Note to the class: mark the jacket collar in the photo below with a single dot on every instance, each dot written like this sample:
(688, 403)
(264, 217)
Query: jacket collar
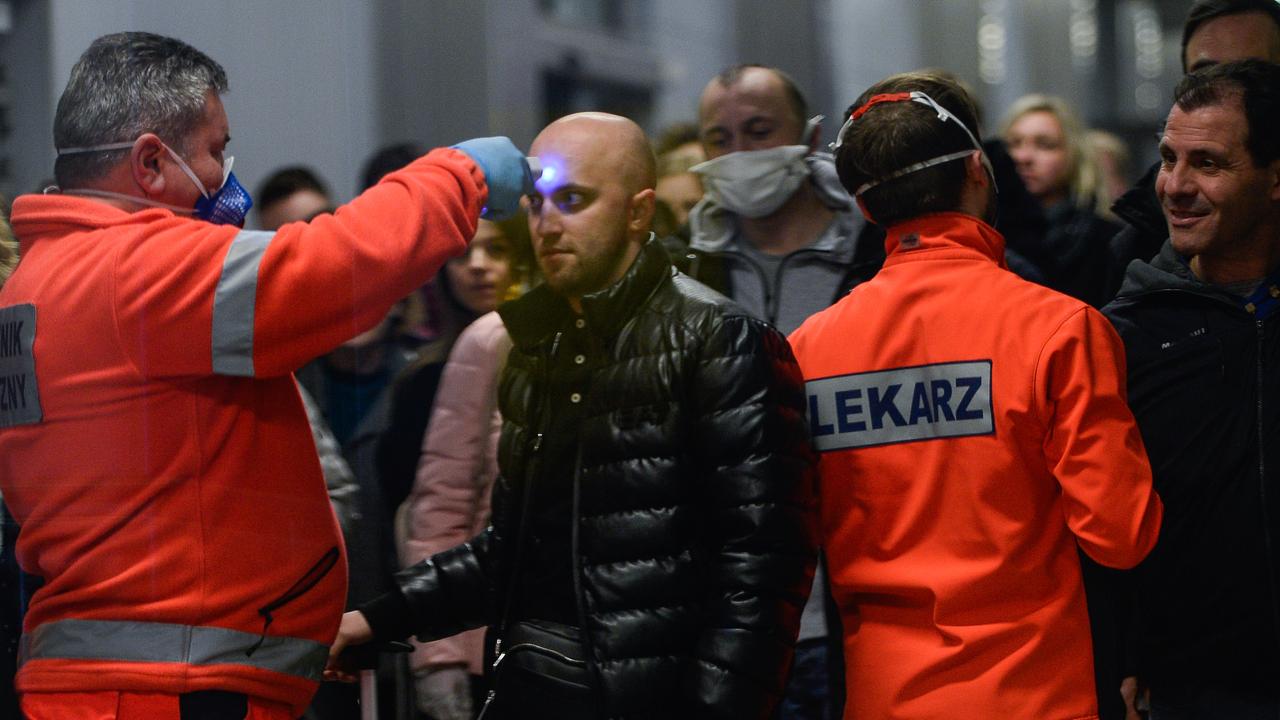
(36, 216)
(949, 231)
(538, 314)
(1140, 207)
(1169, 270)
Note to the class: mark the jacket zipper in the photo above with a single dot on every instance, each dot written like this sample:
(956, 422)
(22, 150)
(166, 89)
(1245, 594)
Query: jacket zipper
(1268, 541)
(309, 579)
(576, 559)
(526, 496)
(540, 650)
(772, 296)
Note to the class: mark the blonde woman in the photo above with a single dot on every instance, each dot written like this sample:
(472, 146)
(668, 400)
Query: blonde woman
(1047, 143)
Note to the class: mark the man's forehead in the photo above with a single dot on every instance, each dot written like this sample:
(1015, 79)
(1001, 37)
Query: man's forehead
(757, 89)
(1227, 38)
(215, 117)
(1221, 124)
(571, 159)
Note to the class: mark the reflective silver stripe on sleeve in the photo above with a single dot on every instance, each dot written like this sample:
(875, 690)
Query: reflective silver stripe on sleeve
(129, 641)
(233, 304)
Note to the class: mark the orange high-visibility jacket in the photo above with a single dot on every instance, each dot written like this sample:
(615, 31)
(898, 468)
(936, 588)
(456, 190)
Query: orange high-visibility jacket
(973, 431)
(158, 456)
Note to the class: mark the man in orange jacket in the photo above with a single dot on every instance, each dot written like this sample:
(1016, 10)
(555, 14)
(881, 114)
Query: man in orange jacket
(973, 433)
(152, 442)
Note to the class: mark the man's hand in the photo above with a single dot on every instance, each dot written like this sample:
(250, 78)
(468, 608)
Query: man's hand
(444, 693)
(506, 172)
(1137, 699)
(354, 630)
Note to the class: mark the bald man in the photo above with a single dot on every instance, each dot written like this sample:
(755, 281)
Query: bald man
(652, 538)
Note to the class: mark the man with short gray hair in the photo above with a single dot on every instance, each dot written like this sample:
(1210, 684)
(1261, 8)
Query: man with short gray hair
(152, 442)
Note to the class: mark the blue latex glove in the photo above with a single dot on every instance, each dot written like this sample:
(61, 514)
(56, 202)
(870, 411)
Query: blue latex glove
(505, 170)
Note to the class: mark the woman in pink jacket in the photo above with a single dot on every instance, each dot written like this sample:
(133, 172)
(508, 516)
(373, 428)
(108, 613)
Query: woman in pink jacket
(449, 502)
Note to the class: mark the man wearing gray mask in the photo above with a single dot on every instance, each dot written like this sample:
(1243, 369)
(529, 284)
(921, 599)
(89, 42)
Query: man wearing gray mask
(777, 233)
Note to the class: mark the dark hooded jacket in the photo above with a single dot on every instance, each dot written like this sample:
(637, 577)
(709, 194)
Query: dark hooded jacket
(694, 536)
(1204, 384)
(1144, 231)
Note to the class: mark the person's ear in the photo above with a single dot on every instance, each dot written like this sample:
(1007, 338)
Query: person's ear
(640, 211)
(1274, 176)
(975, 170)
(862, 205)
(146, 164)
(813, 132)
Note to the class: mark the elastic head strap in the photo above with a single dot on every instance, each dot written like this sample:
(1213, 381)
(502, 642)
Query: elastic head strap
(913, 96)
(943, 115)
(875, 100)
(912, 168)
(94, 148)
(182, 164)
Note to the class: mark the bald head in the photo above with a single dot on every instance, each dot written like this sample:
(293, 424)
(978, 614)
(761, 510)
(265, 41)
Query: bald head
(602, 141)
(591, 211)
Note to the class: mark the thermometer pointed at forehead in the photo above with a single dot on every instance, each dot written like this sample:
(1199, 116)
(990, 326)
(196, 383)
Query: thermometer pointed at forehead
(535, 168)
(549, 173)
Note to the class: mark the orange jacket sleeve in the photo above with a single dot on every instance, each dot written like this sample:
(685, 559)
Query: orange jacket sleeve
(266, 303)
(1092, 445)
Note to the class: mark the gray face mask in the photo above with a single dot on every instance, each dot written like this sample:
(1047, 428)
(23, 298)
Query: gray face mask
(754, 183)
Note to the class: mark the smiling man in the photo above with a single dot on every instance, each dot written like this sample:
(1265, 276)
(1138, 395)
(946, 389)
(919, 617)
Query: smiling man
(1202, 334)
(1216, 31)
(652, 537)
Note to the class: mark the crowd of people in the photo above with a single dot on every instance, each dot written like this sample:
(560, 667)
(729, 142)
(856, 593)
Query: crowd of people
(719, 424)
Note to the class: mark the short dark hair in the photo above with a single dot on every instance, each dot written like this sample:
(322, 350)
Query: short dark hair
(730, 75)
(388, 160)
(286, 181)
(1205, 10)
(1256, 83)
(124, 85)
(675, 135)
(894, 135)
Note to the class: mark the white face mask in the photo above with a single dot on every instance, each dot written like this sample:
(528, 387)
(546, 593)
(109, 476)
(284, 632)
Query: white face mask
(754, 183)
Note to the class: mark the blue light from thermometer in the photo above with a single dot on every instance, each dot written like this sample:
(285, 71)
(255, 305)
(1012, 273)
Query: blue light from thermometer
(545, 180)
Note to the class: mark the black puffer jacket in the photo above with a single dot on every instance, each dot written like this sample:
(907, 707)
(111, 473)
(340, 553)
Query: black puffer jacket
(695, 526)
(1204, 385)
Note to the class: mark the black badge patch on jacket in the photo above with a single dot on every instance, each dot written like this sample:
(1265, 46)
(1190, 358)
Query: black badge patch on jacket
(19, 396)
